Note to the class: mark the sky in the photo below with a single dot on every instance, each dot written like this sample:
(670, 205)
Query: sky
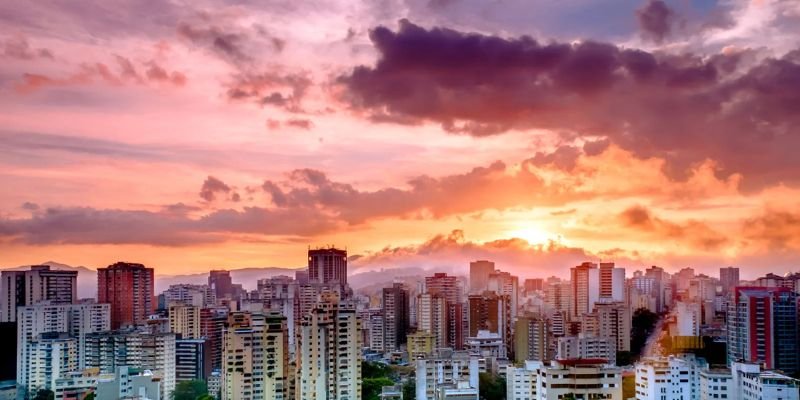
(190, 135)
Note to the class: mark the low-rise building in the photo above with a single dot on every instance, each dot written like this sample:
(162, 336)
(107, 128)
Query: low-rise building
(580, 378)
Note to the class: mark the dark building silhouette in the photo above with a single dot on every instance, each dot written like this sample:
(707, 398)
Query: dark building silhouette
(395, 316)
(220, 282)
(327, 265)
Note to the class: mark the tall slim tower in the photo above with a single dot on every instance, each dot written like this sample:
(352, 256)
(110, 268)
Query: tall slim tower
(40, 283)
(326, 265)
(479, 275)
(728, 279)
(582, 288)
(395, 316)
(763, 328)
(446, 286)
(329, 353)
(219, 280)
(128, 288)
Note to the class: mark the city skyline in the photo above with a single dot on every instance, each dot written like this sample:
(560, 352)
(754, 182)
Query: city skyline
(419, 133)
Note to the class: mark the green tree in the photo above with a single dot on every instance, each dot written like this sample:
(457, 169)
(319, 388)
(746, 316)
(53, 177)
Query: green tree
(375, 370)
(642, 325)
(189, 390)
(89, 396)
(491, 387)
(44, 394)
(371, 387)
(624, 358)
(206, 397)
(410, 390)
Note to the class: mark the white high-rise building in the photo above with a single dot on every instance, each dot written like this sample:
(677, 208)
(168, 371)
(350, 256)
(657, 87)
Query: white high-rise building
(329, 352)
(587, 347)
(145, 351)
(506, 284)
(76, 320)
(256, 359)
(194, 295)
(582, 379)
(49, 357)
(688, 317)
(40, 283)
(675, 377)
(432, 316)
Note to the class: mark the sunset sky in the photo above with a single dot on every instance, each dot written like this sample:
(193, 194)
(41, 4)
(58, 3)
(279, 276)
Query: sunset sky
(189, 135)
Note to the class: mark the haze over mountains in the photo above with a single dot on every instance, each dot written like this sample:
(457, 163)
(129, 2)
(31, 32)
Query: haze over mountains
(247, 277)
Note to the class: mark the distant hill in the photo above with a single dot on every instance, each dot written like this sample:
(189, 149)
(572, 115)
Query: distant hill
(247, 277)
(87, 278)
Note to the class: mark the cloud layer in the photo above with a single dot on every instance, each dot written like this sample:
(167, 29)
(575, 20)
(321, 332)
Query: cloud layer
(731, 107)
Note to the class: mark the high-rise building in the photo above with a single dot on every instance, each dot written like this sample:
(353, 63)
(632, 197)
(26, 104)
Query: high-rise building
(445, 285)
(256, 358)
(192, 359)
(326, 265)
(491, 312)
(479, 272)
(583, 286)
(534, 284)
(212, 323)
(448, 287)
(220, 282)
(184, 321)
(432, 317)
(40, 283)
(763, 328)
(155, 352)
(658, 289)
(128, 288)
(611, 283)
(506, 284)
(614, 322)
(688, 317)
(329, 352)
(531, 339)
(395, 316)
(193, 295)
(76, 320)
(586, 347)
(728, 279)
(49, 356)
(557, 297)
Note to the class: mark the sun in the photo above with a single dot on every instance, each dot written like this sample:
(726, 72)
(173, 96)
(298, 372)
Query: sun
(531, 234)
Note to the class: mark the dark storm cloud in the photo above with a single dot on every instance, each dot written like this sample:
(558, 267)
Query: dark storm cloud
(729, 107)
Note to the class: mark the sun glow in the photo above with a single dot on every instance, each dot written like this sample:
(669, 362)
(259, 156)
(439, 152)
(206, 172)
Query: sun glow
(532, 234)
